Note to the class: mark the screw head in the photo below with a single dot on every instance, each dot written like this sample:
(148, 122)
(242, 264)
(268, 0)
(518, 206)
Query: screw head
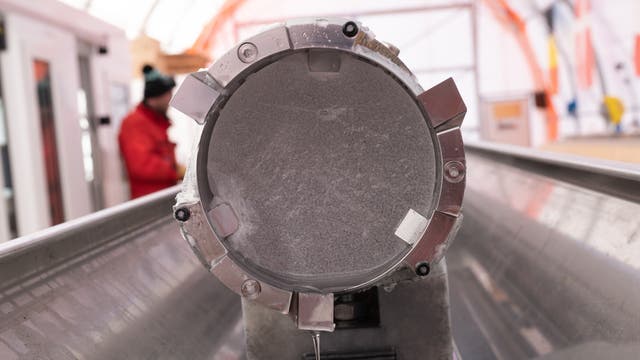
(182, 214)
(247, 52)
(350, 29)
(423, 268)
(454, 171)
(250, 289)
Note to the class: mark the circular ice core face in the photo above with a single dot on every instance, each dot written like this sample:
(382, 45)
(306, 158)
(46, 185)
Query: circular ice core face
(321, 155)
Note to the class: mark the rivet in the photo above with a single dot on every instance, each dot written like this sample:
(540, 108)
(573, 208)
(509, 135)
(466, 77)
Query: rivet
(423, 268)
(250, 289)
(182, 214)
(247, 52)
(454, 171)
(350, 29)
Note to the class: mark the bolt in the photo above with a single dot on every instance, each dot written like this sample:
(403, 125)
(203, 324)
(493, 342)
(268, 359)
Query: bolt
(350, 29)
(182, 214)
(423, 268)
(247, 52)
(250, 289)
(454, 171)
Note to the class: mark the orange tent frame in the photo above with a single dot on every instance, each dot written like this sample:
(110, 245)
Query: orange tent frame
(510, 18)
(500, 8)
(205, 41)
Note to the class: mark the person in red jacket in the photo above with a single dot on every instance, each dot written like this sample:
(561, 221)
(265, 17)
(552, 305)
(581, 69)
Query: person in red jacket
(148, 154)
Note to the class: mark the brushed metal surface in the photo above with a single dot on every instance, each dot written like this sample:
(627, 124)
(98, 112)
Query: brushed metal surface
(121, 284)
(543, 268)
(414, 321)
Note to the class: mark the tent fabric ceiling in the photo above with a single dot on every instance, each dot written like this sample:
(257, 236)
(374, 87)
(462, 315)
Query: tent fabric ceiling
(177, 23)
(421, 29)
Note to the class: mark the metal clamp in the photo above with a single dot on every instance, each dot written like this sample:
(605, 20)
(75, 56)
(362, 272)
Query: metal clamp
(200, 97)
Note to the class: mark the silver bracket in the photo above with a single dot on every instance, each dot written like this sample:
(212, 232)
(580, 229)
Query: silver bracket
(315, 312)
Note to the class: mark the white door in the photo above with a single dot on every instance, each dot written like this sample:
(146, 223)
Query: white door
(41, 83)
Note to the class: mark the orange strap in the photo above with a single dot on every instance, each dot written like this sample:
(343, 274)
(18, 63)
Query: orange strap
(637, 55)
(510, 18)
(205, 41)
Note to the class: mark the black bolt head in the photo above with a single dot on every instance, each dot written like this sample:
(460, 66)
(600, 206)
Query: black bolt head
(182, 214)
(350, 29)
(423, 268)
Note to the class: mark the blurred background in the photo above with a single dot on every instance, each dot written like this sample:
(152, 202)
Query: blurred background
(560, 75)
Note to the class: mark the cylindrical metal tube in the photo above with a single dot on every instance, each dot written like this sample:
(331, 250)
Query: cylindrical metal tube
(322, 167)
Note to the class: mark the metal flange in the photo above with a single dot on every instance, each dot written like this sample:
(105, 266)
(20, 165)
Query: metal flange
(204, 93)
